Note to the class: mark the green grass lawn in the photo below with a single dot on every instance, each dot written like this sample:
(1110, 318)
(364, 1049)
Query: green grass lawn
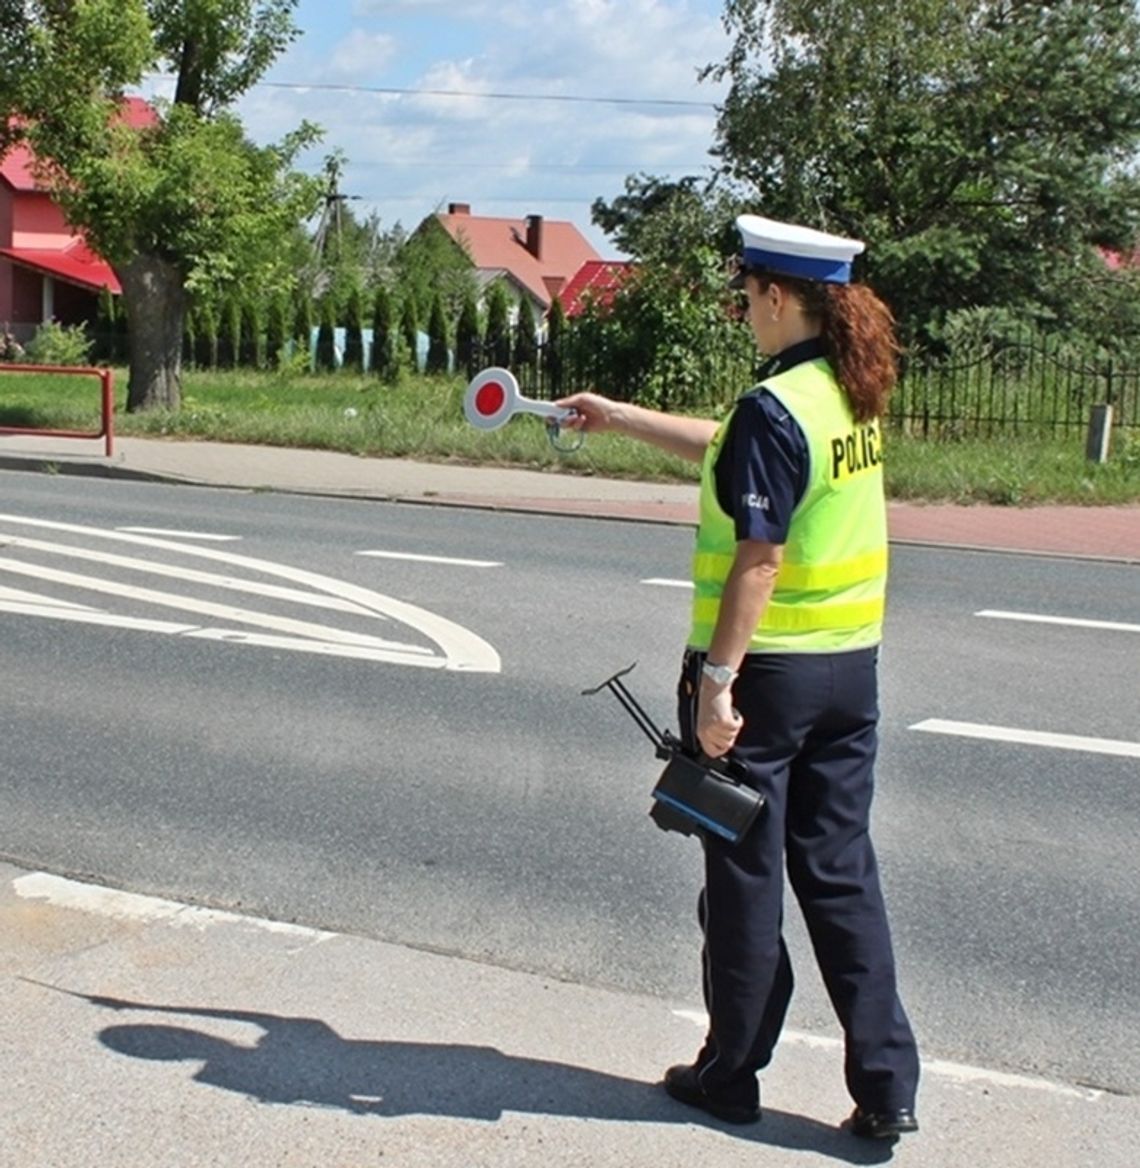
(423, 418)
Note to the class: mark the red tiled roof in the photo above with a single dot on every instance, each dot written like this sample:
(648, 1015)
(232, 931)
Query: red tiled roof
(595, 280)
(77, 264)
(502, 243)
(16, 165)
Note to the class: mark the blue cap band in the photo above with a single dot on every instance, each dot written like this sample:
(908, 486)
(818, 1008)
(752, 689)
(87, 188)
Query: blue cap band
(807, 268)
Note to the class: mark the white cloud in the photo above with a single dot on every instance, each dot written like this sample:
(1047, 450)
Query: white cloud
(361, 55)
(407, 154)
(460, 9)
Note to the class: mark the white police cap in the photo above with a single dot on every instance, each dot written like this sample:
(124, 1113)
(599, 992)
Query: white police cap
(787, 249)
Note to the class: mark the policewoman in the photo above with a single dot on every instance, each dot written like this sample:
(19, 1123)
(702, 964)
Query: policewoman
(780, 674)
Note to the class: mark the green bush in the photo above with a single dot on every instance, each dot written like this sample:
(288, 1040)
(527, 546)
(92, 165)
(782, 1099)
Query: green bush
(354, 331)
(383, 363)
(437, 356)
(58, 344)
(498, 339)
(326, 337)
(468, 342)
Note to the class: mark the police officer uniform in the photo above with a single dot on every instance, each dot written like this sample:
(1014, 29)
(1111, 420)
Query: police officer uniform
(791, 466)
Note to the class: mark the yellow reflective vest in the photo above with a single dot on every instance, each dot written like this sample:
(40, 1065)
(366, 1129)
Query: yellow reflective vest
(831, 585)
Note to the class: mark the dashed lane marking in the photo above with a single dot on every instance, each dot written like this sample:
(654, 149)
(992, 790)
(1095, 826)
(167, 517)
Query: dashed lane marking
(206, 536)
(1072, 621)
(422, 559)
(1111, 746)
(664, 582)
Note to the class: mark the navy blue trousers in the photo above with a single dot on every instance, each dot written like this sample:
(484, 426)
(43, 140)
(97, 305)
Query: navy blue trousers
(808, 743)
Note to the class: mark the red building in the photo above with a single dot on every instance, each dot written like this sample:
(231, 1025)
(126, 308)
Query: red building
(47, 271)
(595, 282)
(540, 258)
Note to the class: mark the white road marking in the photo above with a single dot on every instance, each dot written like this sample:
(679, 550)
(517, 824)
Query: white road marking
(460, 649)
(19, 596)
(245, 616)
(256, 587)
(203, 535)
(402, 655)
(433, 559)
(665, 582)
(1112, 746)
(129, 906)
(1074, 622)
(958, 1072)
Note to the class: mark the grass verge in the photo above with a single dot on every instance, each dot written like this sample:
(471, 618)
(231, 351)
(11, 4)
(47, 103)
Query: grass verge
(423, 418)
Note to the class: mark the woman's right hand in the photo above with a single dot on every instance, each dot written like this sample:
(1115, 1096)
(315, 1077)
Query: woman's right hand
(592, 412)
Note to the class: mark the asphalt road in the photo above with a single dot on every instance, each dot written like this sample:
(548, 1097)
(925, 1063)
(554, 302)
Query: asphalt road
(346, 779)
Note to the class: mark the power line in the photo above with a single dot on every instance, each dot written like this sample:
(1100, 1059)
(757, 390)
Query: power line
(401, 91)
(397, 91)
(562, 167)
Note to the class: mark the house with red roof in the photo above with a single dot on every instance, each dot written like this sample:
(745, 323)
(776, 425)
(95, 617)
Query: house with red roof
(47, 271)
(537, 257)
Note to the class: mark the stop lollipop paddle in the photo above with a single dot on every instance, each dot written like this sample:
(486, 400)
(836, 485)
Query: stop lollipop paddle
(493, 398)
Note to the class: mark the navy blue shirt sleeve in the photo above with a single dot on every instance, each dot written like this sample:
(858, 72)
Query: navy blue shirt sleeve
(762, 471)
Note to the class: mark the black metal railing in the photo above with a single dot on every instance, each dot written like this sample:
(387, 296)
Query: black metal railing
(1024, 386)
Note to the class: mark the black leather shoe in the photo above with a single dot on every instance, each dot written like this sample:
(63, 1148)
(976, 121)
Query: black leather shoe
(882, 1125)
(682, 1084)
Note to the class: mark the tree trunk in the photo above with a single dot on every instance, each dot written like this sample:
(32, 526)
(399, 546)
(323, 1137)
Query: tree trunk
(155, 301)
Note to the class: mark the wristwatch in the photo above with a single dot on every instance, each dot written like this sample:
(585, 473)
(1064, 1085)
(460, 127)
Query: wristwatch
(721, 674)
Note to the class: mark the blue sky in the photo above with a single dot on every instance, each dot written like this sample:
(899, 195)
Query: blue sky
(408, 155)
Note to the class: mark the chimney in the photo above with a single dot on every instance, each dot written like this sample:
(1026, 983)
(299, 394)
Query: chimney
(459, 208)
(534, 235)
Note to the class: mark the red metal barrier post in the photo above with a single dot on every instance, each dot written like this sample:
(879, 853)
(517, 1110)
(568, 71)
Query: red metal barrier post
(107, 384)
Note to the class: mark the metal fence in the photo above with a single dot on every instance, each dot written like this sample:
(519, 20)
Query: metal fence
(1018, 387)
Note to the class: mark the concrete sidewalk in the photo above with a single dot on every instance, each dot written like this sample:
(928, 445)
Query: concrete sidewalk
(138, 1033)
(1099, 532)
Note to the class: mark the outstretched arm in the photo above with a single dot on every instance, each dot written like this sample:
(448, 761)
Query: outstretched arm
(683, 436)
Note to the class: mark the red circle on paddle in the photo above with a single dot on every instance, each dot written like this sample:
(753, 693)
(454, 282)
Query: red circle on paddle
(489, 399)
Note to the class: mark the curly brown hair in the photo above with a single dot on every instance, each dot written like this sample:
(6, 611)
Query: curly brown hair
(858, 330)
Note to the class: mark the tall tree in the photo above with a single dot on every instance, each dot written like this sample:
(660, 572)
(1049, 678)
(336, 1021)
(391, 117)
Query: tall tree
(982, 148)
(410, 329)
(354, 330)
(646, 195)
(437, 354)
(526, 335)
(276, 330)
(468, 342)
(553, 352)
(326, 337)
(430, 261)
(383, 363)
(302, 322)
(498, 336)
(182, 206)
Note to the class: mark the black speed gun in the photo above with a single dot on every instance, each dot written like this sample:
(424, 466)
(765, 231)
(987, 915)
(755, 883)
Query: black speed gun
(694, 793)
